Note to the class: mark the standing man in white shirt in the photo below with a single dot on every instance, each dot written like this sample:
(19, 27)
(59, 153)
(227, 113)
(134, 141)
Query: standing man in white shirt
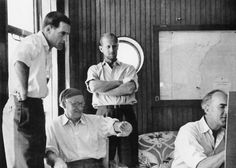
(201, 144)
(113, 84)
(23, 115)
(78, 140)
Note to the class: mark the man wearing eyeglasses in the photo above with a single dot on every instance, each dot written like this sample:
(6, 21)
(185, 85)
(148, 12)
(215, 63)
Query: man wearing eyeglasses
(78, 140)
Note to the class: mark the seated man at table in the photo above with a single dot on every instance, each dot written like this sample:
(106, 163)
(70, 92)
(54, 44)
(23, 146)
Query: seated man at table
(76, 139)
(201, 144)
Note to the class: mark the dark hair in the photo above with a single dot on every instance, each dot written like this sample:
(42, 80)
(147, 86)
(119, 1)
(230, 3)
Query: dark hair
(110, 35)
(54, 18)
(67, 93)
(208, 97)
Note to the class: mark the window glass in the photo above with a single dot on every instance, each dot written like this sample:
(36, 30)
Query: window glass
(13, 41)
(20, 14)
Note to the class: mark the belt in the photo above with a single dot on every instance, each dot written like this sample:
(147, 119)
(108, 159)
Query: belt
(30, 99)
(116, 106)
(80, 163)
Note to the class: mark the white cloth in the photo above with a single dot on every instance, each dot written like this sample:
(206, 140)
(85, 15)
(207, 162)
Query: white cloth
(86, 139)
(120, 71)
(194, 143)
(35, 53)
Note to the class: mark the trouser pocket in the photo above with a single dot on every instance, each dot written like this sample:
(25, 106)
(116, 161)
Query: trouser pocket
(24, 117)
(21, 116)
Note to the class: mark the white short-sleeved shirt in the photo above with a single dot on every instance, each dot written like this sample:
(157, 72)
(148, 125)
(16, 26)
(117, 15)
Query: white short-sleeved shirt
(194, 143)
(120, 71)
(86, 139)
(35, 53)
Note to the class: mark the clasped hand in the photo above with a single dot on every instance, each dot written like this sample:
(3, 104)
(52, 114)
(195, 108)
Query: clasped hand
(125, 128)
(59, 163)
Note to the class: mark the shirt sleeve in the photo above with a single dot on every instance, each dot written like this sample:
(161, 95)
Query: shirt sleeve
(132, 74)
(51, 144)
(188, 147)
(27, 51)
(91, 75)
(106, 126)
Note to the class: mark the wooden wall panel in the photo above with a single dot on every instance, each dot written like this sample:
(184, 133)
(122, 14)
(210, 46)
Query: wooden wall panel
(188, 12)
(170, 115)
(198, 12)
(193, 11)
(118, 18)
(136, 18)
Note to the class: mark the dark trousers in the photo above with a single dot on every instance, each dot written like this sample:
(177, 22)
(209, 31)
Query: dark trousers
(127, 146)
(24, 133)
(86, 163)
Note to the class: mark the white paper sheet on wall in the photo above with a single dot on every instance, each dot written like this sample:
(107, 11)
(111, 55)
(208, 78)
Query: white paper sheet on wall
(192, 61)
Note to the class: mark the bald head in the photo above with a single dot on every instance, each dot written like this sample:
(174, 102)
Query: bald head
(109, 36)
(214, 105)
(109, 47)
(208, 97)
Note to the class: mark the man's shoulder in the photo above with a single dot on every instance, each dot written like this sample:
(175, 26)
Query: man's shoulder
(125, 64)
(56, 122)
(34, 38)
(190, 127)
(127, 67)
(95, 119)
(92, 116)
(191, 124)
(32, 41)
(96, 66)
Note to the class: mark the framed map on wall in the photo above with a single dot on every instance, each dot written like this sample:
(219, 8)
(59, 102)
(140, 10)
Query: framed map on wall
(193, 62)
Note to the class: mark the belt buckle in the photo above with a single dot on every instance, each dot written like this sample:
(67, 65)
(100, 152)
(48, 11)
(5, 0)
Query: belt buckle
(113, 106)
(117, 106)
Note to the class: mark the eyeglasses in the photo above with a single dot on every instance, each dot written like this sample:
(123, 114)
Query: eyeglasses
(76, 104)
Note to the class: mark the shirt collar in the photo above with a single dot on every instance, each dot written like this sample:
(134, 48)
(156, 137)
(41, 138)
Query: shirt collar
(115, 63)
(44, 40)
(203, 125)
(205, 128)
(65, 120)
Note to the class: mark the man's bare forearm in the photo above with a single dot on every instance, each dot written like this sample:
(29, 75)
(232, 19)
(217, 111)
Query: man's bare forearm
(123, 90)
(214, 161)
(103, 86)
(22, 72)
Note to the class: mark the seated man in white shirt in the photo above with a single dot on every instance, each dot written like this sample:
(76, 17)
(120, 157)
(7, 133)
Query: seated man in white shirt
(76, 139)
(201, 144)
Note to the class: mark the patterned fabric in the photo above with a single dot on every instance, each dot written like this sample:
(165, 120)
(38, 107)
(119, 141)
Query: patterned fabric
(156, 149)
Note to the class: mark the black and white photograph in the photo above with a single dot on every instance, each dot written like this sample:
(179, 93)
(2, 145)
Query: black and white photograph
(117, 83)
